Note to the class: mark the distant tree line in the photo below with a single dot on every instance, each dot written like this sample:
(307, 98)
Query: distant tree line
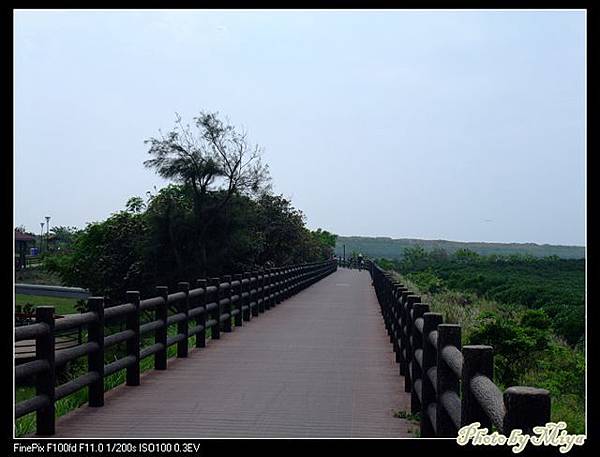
(388, 248)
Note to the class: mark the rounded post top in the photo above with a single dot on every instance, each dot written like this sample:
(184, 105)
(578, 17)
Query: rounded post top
(96, 304)
(431, 314)
(477, 347)
(44, 308)
(132, 295)
(447, 325)
(44, 312)
(526, 391)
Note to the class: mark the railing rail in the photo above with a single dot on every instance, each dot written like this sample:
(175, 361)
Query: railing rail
(219, 304)
(451, 386)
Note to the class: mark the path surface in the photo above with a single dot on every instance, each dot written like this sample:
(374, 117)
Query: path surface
(317, 365)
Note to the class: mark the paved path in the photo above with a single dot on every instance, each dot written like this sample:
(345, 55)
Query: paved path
(318, 365)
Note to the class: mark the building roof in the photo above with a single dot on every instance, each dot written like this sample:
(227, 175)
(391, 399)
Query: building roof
(20, 236)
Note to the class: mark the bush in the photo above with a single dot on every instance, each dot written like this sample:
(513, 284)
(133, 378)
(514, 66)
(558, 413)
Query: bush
(427, 281)
(516, 345)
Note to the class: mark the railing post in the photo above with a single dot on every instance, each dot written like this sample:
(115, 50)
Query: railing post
(305, 273)
(227, 323)
(260, 296)
(253, 285)
(279, 287)
(183, 327)
(133, 344)
(215, 331)
(245, 289)
(447, 381)
(397, 327)
(290, 286)
(391, 312)
(477, 359)
(428, 397)
(402, 330)
(96, 358)
(410, 301)
(387, 309)
(417, 344)
(284, 283)
(274, 287)
(45, 381)
(160, 335)
(297, 279)
(201, 319)
(526, 407)
(267, 288)
(239, 304)
(293, 280)
(302, 278)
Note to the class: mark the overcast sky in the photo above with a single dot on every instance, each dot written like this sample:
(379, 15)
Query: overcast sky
(454, 125)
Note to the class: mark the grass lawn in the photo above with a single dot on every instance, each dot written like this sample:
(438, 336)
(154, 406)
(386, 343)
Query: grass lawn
(38, 275)
(61, 305)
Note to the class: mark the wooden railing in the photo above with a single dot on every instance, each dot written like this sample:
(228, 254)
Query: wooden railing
(218, 304)
(451, 386)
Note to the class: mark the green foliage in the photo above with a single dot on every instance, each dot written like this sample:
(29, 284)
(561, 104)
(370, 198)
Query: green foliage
(63, 235)
(516, 344)
(530, 310)
(213, 164)
(105, 257)
(156, 243)
(427, 281)
(416, 417)
(555, 285)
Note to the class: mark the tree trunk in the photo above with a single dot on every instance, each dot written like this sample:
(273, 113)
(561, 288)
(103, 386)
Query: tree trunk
(203, 259)
(178, 259)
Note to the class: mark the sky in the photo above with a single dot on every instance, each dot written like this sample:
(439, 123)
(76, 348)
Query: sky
(457, 125)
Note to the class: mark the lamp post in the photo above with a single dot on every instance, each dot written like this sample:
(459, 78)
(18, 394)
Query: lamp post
(47, 231)
(41, 236)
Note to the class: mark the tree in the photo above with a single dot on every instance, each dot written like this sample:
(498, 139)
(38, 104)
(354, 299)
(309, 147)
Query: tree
(517, 345)
(106, 256)
(214, 157)
(64, 235)
(283, 231)
(413, 258)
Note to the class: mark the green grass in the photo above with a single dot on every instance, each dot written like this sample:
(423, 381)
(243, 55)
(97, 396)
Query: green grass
(38, 275)
(61, 305)
(415, 417)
